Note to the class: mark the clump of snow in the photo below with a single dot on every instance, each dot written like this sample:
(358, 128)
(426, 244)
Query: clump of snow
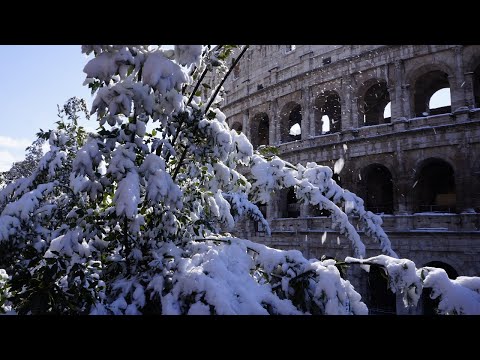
(127, 195)
(163, 74)
(295, 130)
(402, 274)
(460, 296)
(338, 166)
(188, 54)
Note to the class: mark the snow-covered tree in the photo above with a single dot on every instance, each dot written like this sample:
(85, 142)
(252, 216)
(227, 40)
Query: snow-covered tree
(135, 218)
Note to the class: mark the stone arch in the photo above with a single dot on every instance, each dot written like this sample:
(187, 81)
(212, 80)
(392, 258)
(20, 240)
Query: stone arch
(290, 115)
(430, 305)
(377, 188)
(260, 130)
(327, 113)
(373, 97)
(426, 81)
(434, 186)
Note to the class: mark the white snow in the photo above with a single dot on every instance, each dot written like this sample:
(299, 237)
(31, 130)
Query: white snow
(163, 74)
(295, 130)
(188, 54)
(127, 196)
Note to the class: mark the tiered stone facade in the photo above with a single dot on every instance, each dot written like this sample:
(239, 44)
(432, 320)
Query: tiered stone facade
(420, 167)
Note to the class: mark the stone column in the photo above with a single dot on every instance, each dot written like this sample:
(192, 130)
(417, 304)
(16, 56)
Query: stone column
(468, 88)
(304, 210)
(306, 111)
(396, 93)
(457, 92)
(402, 183)
(407, 101)
(312, 128)
(348, 103)
(274, 129)
(464, 178)
(246, 124)
(403, 195)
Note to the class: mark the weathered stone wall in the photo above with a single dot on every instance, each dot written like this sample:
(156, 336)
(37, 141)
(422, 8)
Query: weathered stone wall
(272, 81)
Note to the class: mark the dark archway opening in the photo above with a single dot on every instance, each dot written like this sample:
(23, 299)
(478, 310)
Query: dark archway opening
(427, 85)
(237, 127)
(382, 300)
(293, 206)
(260, 130)
(291, 123)
(430, 305)
(378, 187)
(374, 103)
(328, 113)
(435, 187)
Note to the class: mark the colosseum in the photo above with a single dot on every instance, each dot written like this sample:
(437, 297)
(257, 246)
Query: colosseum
(369, 112)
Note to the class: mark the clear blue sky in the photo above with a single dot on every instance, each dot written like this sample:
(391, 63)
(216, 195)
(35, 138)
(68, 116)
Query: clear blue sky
(34, 79)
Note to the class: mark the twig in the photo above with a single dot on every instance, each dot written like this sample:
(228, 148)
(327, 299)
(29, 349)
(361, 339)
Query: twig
(211, 101)
(217, 90)
(159, 149)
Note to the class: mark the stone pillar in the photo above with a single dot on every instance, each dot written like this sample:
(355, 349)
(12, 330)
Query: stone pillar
(457, 93)
(274, 129)
(348, 103)
(246, 124)
(271, 208)
(407, 101)
(304, 210)
(464, 179)
(306, 111)
(312, 128)
(396, 93)
(468, 88)
(403, 195)
(402, 183)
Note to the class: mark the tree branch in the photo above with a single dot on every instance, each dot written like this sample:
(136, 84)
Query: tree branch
(211, 101)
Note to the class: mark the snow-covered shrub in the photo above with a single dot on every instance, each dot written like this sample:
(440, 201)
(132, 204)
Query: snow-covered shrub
(134, 219)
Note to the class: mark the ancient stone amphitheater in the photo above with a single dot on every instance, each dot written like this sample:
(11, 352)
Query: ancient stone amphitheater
(401, 126)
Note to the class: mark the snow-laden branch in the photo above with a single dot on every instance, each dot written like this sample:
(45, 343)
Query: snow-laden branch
(457, 296)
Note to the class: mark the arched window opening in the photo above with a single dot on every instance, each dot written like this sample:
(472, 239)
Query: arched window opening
(291, 122)
(237, 127)
(288, 205)
(387, 113)
(260, 129)
(440, 102)
(425, 86)
(378, 187)
(325, 124)
(328, 113)
(293, 207)
(435, 187)
(382, 300)
(374, 102)
(430, 305)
